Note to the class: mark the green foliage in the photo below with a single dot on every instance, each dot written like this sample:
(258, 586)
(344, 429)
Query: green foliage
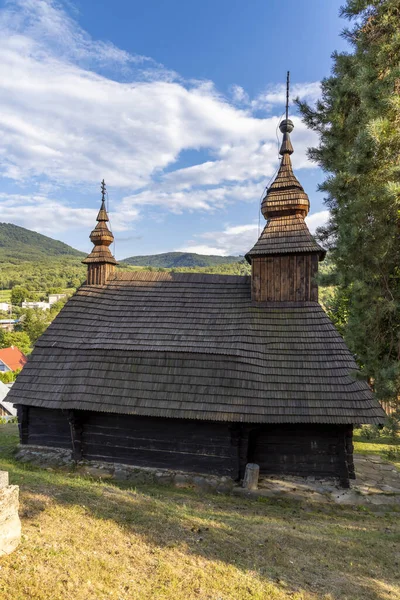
(4, 420)
(35, 321)
(358, 120)
(369, 432)
(20, 339)
(393, 453)
(171, 260)
(9, 376)
(237, 268)
(39, 278)
(18, 295)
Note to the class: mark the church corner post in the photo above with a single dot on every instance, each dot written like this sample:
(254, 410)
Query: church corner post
(100, 262)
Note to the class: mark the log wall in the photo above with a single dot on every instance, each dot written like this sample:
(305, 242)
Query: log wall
(44, 427)
(284, 278)
(197, 446)
(320, 450)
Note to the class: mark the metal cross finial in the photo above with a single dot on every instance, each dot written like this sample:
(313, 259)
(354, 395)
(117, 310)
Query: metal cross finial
(103, 190)
(287, 95)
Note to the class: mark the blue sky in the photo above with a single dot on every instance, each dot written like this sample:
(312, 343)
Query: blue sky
(176, 104)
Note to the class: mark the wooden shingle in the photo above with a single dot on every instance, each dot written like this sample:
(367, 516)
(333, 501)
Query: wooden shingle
(195, 346)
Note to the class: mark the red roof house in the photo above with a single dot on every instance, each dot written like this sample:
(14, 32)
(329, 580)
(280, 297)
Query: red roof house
(11, 359)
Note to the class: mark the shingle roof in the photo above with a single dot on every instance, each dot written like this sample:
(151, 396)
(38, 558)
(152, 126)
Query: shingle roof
(13, 358)
(285, 235)
(194, 346)
(284, 207)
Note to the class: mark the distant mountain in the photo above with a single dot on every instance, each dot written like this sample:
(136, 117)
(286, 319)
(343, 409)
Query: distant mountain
(20, 244)
(171, 260)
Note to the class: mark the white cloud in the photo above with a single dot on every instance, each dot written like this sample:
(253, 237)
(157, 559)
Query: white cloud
(178, 200)
(317, 219)
(276, 95)
(74, 110)
(233, 240)
(47, 216)
(239, 239)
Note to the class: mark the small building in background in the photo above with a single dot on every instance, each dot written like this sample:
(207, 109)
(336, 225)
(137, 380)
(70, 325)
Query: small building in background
(6, 408)
(53, 298)
(5, 307)
(36, 304)
(11, 359)
(8, 324)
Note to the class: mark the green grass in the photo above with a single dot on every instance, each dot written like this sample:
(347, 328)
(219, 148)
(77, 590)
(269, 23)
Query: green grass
(91, 540)
(387, 448)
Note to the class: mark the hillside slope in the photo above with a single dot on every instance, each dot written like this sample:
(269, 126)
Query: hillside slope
(20, 244)
(171, 260)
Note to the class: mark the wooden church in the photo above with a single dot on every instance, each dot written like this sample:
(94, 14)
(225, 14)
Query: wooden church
(202, 373)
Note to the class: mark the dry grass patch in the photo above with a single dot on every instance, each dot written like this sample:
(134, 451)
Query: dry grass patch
(87, 540)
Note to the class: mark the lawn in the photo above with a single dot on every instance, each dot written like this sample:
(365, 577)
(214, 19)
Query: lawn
(387, 448)
(91, 540)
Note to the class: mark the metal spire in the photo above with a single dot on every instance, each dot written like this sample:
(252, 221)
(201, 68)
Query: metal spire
(287, 94)
(286, 126)
(103, 190)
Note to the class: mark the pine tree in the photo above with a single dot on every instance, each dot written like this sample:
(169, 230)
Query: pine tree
(358, 120)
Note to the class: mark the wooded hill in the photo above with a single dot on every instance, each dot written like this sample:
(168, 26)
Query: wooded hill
(39, 263)
(172, 260)
(18, 243)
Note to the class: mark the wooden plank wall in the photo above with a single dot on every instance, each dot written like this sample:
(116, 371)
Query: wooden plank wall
(199, 446)
(180, 444)
(98, 274)
(47, 427)
(285, 278)
(320, 450)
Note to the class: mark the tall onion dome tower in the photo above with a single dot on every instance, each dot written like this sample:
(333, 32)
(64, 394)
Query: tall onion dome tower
(101, 263)
(285, 258)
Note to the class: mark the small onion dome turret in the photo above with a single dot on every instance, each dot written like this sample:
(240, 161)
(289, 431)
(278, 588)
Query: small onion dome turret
(101, 237)
(286, 195)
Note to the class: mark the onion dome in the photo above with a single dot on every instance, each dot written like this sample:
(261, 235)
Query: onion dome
(101, 236)
(285, 206)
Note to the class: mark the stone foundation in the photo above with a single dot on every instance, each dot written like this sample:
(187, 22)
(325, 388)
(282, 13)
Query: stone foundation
(10, 525)
(43, 456)
(377, 482)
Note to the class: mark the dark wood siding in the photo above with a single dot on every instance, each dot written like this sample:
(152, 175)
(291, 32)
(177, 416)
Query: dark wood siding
(300, 450)
(200, 446)
(47, 427)
(285, 278)
(188, 445)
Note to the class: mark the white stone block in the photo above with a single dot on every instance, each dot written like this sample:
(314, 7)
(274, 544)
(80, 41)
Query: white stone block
(10, 525)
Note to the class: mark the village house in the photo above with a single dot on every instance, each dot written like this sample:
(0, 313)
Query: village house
(42, 305)
(8, 324)
(202, 373)
(6, 408)
(11, 359)
(36, 304)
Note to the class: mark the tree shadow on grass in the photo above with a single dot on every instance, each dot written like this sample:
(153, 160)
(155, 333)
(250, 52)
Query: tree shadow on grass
(320, 549)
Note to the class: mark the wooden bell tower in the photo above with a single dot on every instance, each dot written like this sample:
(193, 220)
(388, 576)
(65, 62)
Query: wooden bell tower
(284, 261)
(101, 263)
